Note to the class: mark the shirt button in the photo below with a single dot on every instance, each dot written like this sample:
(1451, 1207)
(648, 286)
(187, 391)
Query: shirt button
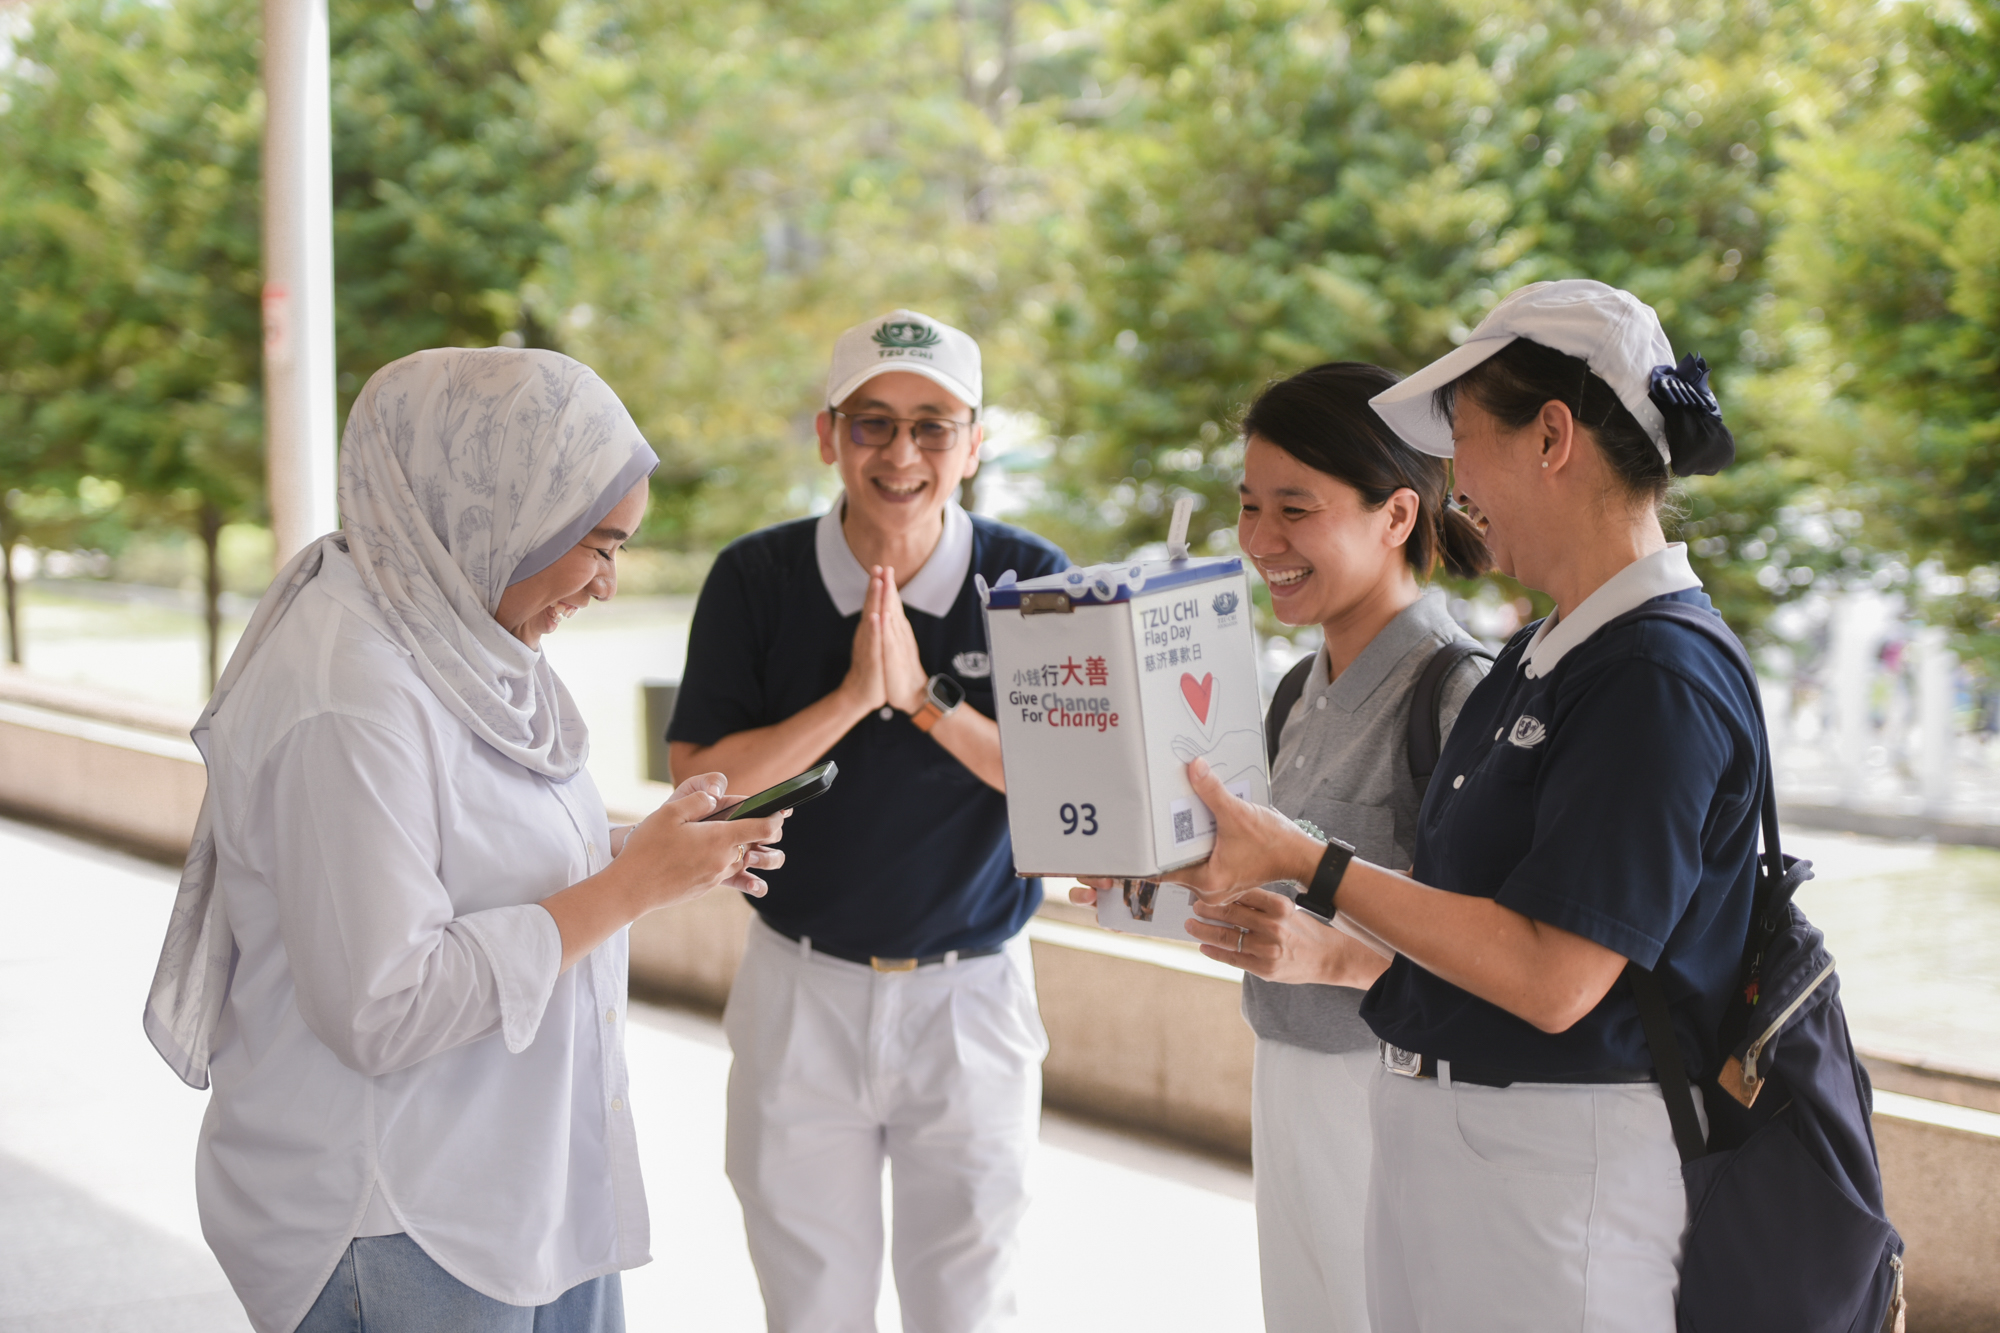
(1458, 782)
(1300, 762)
(1321, 703)
(611, 1015)
(886, 713)
(617, 1103)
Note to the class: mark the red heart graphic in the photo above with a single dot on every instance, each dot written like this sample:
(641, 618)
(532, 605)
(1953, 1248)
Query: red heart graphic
(1198, 693)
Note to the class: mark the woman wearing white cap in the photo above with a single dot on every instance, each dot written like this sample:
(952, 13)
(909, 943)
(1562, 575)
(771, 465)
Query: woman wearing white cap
(1595, 805)
(399, 943)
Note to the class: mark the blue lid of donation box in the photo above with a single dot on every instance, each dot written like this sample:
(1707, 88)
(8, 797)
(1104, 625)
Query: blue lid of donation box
(1120, 581)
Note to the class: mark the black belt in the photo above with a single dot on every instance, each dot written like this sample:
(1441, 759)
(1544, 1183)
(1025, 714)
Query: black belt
(1409, 1064)
(881, 964)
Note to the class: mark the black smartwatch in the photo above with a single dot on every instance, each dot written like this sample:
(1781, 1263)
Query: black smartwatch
(1318, 896)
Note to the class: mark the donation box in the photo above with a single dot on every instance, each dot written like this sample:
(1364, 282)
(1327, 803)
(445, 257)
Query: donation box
(1107, 681)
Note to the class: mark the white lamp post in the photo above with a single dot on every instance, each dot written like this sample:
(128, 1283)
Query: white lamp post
(298, 275)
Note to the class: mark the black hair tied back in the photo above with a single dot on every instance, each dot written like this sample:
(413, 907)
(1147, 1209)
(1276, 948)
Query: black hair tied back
(1696, 438)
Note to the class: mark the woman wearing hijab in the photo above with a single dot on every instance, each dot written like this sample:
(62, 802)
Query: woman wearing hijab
(399, 946)
(1596, 806)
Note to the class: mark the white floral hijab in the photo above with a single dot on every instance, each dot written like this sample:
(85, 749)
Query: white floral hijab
(461, 472)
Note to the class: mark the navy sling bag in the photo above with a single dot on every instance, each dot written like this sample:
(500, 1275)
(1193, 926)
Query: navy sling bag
(1786, 1227)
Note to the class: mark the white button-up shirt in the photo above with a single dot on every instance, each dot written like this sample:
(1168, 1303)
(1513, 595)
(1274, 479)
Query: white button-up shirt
(397, 1051)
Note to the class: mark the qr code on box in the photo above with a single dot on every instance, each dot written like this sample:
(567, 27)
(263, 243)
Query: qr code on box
(1193, 821)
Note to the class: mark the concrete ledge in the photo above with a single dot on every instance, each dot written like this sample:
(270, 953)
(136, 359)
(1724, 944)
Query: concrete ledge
(1941, 1180)
(1143, 1039)
(1881, 824)
(134, 787)
(1934, 1081)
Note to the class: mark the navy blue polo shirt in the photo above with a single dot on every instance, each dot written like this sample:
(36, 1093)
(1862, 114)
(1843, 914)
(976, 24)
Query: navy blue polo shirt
(1617, 797)
(908, 855)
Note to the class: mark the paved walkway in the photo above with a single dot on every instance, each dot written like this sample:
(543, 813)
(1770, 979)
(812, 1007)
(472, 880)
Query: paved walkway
(98, 1232)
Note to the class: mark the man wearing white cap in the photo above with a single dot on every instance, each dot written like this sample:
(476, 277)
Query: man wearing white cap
(885, 1007)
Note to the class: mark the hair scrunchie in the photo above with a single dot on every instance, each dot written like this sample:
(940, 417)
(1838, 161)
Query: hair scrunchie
(1697, 441)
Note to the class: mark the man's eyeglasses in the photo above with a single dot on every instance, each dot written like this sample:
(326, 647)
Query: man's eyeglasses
(872, 430)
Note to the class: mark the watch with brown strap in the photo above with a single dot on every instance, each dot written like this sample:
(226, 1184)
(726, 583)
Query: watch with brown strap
(941, 695)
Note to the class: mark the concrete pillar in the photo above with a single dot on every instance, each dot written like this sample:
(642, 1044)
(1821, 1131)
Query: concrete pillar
(1936, 673)
(1856, 619)
(298, 275)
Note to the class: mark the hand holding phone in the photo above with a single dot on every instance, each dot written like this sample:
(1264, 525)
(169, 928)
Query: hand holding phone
(787, 795)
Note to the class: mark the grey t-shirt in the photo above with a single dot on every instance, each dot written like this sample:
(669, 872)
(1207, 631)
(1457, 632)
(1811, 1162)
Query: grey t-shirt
(1343, 763)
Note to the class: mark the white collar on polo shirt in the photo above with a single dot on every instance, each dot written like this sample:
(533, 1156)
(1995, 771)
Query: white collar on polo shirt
(1660, 573)
(932, 591)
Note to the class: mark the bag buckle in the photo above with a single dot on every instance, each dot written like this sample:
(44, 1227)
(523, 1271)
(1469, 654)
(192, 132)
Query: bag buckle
(1396, 1060)
(893, 964)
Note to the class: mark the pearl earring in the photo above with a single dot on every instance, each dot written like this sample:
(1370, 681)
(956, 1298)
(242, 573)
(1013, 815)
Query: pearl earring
(1545, 462)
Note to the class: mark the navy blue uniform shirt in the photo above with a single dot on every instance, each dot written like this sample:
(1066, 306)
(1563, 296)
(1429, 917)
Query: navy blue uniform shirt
(908, 855)
(1616, 797)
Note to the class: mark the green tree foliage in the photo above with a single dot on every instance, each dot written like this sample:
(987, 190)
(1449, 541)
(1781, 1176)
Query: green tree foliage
(1144, 209)
(459, 130)
(131, 270)
(1889, 278)
(140, 134)
(1297, 181)
(775, 173)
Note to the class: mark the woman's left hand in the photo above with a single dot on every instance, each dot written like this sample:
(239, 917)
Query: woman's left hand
(1265, 935)
(1262, 933)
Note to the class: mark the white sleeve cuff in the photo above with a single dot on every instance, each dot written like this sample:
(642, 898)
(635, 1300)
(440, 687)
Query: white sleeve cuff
(524, 948)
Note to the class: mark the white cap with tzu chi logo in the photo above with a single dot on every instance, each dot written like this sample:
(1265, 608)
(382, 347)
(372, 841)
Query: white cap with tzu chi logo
(905, 340)
(1613, 332)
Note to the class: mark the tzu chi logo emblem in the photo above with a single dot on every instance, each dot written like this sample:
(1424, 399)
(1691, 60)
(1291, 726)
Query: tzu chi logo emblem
(1528, 732)
(1225, 609)
(904, 335)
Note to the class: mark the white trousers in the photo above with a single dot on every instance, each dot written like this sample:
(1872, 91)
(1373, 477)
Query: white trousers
(840, 1068)
(1542, 1208)
(1310, 1146)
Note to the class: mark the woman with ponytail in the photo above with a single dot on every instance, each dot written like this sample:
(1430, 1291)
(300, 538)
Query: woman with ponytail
(1344, 522)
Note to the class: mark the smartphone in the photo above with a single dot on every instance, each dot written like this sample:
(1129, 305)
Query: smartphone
(787, 795)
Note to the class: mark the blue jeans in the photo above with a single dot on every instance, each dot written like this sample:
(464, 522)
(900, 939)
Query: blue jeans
(387, 1284)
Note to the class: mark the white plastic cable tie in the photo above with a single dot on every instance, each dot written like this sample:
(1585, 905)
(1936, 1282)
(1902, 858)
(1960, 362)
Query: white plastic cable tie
(985, 593)
(1177, 547)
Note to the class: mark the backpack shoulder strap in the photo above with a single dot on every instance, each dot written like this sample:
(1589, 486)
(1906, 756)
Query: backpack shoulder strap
(1772, 879)
(1426, 728)
(1661, 1044)
(1283, 701)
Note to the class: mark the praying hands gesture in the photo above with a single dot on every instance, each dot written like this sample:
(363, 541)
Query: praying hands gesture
(886, 668)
